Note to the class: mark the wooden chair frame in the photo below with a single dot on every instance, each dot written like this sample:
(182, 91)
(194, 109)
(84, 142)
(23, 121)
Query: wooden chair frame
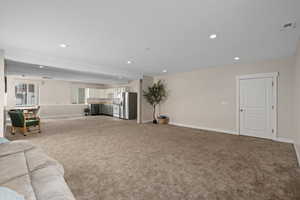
(25, 128)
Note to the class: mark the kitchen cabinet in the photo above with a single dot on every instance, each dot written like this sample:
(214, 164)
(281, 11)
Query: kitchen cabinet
(107, 93)
(95, 109)
(97, 93)
(94, 93)
(106, 109)
(110, 93)
(101, 93)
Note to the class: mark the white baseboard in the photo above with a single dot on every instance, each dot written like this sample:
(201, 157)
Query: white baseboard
(279, 139)
(286, 140)
(147, 121)
(297, 149)
(204, 128)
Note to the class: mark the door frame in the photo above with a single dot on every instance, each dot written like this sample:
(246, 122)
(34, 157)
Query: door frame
(274, 76)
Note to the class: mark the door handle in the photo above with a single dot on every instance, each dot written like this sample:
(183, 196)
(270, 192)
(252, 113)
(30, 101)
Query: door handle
(242, 110)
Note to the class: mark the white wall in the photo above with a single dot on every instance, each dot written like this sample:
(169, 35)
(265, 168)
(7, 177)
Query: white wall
(61, 110)
(54, 96)
(147, 109)
(2, 93)
(55, 92)
(296, 102)
(207, 97)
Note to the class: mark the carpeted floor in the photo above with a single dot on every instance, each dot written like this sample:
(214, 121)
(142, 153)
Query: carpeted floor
(106, 159)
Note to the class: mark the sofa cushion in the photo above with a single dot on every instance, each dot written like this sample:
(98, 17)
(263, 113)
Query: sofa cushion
(30, 172)
(8, 194)
(22, 185)
(15, 147)
(12, 166)
(50, 185)
(3, 140)
(32, 122)
(36, 159)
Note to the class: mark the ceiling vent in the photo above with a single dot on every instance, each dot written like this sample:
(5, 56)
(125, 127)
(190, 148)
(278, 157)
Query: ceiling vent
(46, 77)
(288, 26)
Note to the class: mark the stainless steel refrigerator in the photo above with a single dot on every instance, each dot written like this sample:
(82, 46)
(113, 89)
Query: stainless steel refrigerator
(128, 105)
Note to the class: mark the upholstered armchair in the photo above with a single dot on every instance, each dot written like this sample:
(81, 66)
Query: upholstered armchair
(19, 121)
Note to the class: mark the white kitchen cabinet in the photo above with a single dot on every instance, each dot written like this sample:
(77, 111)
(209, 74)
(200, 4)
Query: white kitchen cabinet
(110, 93)
(92, 93)
(107, 93)
(97, 93)
(101, 93)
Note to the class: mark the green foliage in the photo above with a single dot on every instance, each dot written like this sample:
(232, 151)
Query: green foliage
(156, 93)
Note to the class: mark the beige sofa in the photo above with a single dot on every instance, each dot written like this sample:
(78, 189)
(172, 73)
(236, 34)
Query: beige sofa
(26, 169)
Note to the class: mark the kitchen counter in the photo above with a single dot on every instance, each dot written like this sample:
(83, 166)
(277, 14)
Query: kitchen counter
(105, 108)
(102, 100)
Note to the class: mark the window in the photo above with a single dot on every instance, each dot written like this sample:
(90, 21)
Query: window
(78, 95)
(81, 95)
(26, 94)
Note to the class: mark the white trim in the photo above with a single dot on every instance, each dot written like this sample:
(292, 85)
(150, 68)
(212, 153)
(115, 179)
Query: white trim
(204, 128)
(42, 105)
(64, 104)
(8, 121)
(285, 140)
(61, 116)
(275, 93)
(274, 76)
(278, 139)
(36, 92)
(297, 153)
(260, 75)
(147, 121)
(237, 123)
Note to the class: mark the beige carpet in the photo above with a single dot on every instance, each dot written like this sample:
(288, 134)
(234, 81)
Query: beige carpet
(106, 159)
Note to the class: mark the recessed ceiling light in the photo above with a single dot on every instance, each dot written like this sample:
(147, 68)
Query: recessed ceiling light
(41, 66)
(213, 36)
(64, 45)
(236, 58)
(129, 62)
(165, 71)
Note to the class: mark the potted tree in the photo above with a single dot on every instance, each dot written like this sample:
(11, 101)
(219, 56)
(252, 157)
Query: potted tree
(155, 95)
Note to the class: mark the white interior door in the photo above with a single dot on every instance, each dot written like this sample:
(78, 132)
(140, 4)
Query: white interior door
(256, 104)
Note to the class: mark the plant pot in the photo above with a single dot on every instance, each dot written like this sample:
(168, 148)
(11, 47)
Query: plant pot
(163, 120)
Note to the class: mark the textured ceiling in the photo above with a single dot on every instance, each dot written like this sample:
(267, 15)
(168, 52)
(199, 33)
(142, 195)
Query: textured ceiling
(14, 68)
(154, 34)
